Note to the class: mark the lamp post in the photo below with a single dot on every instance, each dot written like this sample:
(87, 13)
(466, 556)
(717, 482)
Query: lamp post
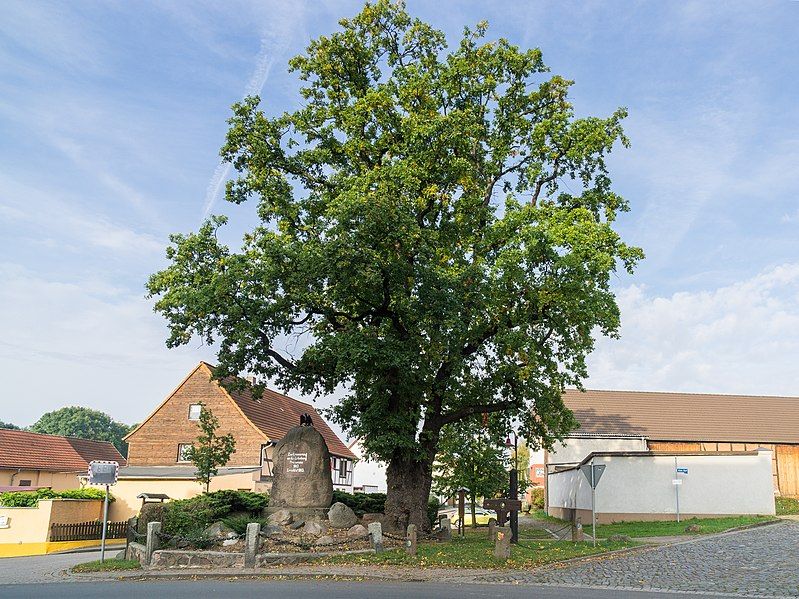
(514, 486)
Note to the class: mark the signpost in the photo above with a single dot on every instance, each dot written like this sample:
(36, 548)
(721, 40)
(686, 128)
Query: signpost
(505, 508)
(593, 472)
(677, 481)
(103, 473)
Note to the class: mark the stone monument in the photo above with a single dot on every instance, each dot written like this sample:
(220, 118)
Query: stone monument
(302, 481)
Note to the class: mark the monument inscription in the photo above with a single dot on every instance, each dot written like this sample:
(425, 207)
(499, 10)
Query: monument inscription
(295, 462)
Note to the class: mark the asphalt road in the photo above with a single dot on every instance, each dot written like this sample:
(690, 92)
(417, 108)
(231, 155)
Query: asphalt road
(303, 589)
(43, 568)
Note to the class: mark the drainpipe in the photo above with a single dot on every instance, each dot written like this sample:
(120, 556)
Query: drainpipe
(13, 475)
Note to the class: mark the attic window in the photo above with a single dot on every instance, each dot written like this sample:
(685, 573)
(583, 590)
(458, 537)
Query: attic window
(194, 411)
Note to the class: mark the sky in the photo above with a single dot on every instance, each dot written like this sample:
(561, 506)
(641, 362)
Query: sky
(112, 115)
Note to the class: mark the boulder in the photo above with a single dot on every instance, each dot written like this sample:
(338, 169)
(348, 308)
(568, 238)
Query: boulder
(314, 529)
(301, 471)
(341, 516)
(326, 540)
(297, 524)
(218, 530)
(358, 531)
(230, 542)
(368, 518)
(281, 518)
(272, 529)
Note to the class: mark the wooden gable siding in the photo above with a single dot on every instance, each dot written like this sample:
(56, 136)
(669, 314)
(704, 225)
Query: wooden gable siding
(784, 459)
(155, 442)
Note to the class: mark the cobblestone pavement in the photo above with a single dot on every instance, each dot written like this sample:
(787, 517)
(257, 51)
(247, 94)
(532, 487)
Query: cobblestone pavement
(761, 561)
(44, 568)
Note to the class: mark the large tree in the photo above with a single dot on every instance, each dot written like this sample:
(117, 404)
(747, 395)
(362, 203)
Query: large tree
(437, 237)
(83, 423)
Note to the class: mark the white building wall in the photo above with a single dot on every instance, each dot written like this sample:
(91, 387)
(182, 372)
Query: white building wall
(368, 473)
(575, 449)
(642, 485)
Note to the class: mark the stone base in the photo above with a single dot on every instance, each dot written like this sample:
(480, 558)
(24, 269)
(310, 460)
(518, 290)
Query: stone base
(309, 514)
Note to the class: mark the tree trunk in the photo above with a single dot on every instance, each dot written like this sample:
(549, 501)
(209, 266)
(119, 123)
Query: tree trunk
(409, 484)
(473, 499)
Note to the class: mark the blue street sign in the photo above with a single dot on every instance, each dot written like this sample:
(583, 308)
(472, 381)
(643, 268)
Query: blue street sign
(682, 470)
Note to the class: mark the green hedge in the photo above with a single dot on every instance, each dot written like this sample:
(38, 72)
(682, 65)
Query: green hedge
(375, 503)
(537, 498)
(31, 498)
(190, 517)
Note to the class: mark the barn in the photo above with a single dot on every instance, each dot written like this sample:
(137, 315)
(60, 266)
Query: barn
(685, 422)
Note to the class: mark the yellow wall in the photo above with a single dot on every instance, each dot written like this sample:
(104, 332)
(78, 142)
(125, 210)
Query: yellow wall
(127, 489)
(29, 527)
(59, 481)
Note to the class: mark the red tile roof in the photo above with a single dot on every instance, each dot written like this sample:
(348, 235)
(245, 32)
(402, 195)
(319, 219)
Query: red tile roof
(686, 416)
(274, 414)
(34, 451)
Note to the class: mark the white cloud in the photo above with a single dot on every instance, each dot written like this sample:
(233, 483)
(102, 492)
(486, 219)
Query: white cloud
(740, 338)
(82, 343)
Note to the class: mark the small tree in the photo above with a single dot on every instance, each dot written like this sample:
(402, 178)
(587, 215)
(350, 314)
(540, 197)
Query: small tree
(470, 457)
(210, 451)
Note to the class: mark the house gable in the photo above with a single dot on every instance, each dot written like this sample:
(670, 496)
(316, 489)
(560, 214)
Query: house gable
(155, 441)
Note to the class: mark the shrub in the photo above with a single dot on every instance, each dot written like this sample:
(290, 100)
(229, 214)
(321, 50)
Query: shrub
(239, 523)
(537, 498)
(432, 510)
(31, 498)
(190, 517)
(362, 503)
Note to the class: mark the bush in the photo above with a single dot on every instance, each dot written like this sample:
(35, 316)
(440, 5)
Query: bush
(31, 498)
(432, 510)
(537, 498)
(362, 503)
(190, 517)
(239, 523)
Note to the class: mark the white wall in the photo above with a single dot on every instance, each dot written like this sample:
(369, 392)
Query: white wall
(575, 449)
(367, 472)
(641, 485)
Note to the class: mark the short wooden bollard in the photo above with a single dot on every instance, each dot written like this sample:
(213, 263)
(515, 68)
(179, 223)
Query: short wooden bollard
(410, 540)
(502, 544)
(492, 529)
(251, 541)
(376, 534)
(153, 530)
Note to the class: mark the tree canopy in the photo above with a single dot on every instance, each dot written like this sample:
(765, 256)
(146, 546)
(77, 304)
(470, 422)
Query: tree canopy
(9, 425)
(84, 423)
(436, 237)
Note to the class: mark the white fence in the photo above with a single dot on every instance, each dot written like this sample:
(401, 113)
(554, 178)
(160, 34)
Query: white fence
(640, 486)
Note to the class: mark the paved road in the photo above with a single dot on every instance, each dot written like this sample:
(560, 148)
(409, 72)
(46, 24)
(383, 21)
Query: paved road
(43, 568)
(300, 589)
(760, 561)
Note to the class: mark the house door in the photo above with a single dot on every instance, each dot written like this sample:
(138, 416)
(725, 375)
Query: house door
(788, 469)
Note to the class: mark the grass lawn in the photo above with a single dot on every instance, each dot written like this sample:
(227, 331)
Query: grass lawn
(109, 565)
(667, 528)
(787, 506)
(475, 551)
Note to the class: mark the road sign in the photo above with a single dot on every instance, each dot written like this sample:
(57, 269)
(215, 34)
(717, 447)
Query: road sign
(598, 470)
(103, 473)
(682, 470)
(676, 481)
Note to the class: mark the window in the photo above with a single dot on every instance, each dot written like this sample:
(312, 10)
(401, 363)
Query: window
(25, 483)
(183, 452)
(342, 468)
(194, 411)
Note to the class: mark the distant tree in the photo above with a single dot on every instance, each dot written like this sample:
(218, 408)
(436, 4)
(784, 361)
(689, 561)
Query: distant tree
(470, 456)
(211, 451)
(84, 423)
(9, 425)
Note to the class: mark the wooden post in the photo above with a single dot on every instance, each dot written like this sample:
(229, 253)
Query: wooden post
(251, 539)
(502, 544)
(153, 529)
(410, 541)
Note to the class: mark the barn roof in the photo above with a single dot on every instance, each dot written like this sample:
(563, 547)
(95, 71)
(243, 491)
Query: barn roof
(35, 451)
(686, 416)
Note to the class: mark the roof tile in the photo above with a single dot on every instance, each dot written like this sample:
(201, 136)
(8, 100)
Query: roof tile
(35, 451)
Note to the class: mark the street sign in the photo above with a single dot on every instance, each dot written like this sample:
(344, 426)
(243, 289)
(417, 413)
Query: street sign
(682, 470)
(103, 473)
(676, 481)
(598, 470)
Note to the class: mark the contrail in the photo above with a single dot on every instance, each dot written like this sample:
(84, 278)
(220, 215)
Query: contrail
(255, 86)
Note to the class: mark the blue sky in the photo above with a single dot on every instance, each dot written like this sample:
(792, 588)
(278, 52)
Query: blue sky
(112, 115)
